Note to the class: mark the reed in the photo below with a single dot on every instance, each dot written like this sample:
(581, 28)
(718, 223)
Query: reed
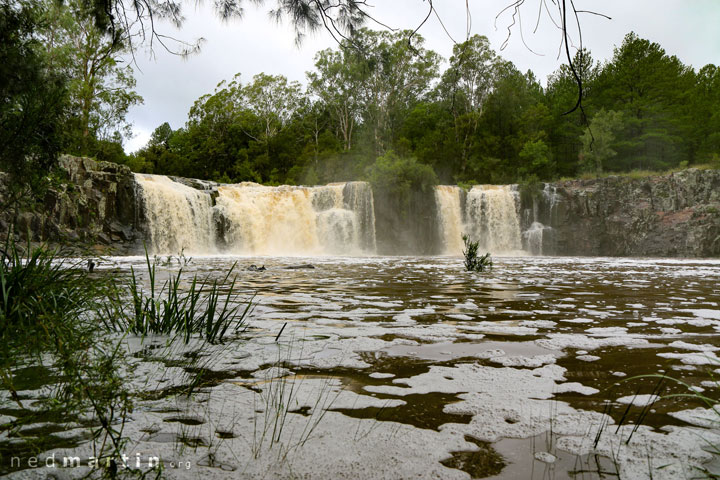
(209, 308)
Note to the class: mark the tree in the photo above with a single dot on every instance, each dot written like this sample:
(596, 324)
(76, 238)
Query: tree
(396, 75)
(537, 160)
(32, 103)
(598, 140)
(399, 177)
(336, 84)
(465, 88)
(273, 100)
(560, 94)
(653, 91)
(100, 83)
(706, 113)
(468, 81)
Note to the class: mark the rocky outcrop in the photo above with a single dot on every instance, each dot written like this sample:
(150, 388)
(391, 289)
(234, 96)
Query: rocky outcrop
(95, 207)
(406, 226)
(673, 215)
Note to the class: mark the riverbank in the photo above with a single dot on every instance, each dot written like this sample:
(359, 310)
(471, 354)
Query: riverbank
(104, 208)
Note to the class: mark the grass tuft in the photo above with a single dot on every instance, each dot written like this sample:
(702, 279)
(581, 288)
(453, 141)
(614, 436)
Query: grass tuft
(208, 308)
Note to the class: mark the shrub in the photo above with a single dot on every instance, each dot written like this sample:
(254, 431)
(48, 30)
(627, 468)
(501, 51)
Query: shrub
(399, 177)
(473, 263)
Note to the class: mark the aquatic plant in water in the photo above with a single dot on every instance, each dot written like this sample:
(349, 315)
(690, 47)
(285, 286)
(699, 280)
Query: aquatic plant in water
(166, 309)
(473, 262)
(48, 308)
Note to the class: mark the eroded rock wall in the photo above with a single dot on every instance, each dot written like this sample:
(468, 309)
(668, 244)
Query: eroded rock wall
(673, 215)
(96, 207)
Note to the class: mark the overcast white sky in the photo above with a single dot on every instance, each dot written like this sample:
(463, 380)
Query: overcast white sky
(170, 84)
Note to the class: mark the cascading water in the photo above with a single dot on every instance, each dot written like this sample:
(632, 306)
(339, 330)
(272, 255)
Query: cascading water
(492, 217)
(177, 217)
(533, 237)
(537, 219)
(339, 218)
(268, 220)
(358, 198)
(449, 199)
(260, 220)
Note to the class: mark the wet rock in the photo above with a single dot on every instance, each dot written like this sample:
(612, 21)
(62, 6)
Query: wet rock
(97, 203)
(673, 215)
(255, 268)
(304, 266)
(104, 238)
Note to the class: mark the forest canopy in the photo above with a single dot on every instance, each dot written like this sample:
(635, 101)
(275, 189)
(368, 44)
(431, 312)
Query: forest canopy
(481, 120)
(378, 101)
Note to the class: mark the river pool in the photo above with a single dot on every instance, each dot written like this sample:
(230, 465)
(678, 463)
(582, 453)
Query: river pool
(409, 367)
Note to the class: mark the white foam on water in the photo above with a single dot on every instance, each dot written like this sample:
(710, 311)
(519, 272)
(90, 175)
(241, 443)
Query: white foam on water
(638, 400)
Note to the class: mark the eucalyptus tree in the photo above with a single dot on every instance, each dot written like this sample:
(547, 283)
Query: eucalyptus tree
(244, 131)
(465, 88)
(468, 80)
(274, 101)
(397, 72)
(100, 82)
(336, 83)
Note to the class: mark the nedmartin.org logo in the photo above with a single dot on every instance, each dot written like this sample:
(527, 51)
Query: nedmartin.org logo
(120, 461)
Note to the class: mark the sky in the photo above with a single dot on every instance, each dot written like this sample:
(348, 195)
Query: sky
(170, 84)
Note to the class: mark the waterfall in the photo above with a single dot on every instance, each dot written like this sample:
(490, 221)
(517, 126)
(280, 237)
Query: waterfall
(285, 220)
(533, 237)
(537, 218)
(176, 217)
(252, 219)
(448, 199)
(492, 217)
(358, 198)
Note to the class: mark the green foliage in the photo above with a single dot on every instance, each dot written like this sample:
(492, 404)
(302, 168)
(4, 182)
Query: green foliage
(473, 262)
(484, 121)
(537, 160)
(50, 313)
(101, 83)
(47, 322)
(34, 286)
(33, 102)
(399, 177)
(598, 140)
(171, 309)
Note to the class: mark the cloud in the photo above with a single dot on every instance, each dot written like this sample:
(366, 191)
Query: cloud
(254, 44)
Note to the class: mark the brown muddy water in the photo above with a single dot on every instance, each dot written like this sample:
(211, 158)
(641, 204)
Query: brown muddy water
(409, 367)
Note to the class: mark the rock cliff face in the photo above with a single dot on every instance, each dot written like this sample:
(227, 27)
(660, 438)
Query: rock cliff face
(674, 215)
(96, 207)
(406, 228)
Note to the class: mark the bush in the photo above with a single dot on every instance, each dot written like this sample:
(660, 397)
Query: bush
(48, 320)
(473, 263)
(399, 177)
